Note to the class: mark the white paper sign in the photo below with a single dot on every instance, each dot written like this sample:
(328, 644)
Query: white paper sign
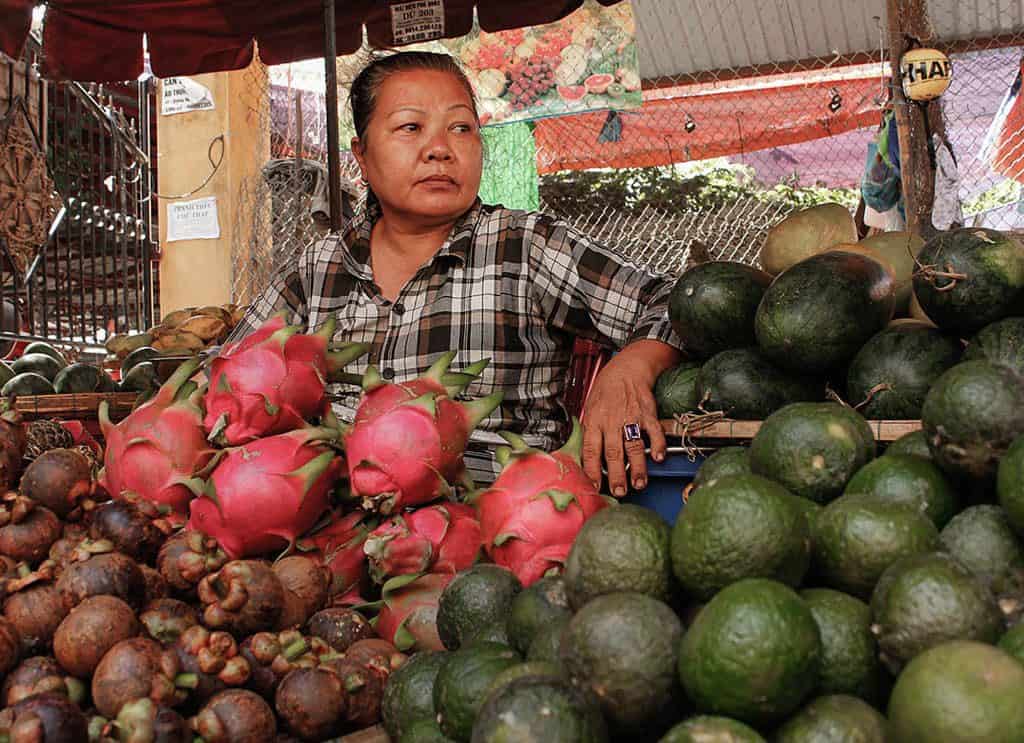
(420, 20)
(183, 94)
(193, 220)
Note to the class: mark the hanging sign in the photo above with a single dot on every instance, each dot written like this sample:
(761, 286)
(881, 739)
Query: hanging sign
(183, 94)
(417, 21)
(587, 61)
(926, 74)
(193, 220)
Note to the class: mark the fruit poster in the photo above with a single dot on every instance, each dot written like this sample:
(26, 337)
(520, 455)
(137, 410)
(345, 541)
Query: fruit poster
(585, 62)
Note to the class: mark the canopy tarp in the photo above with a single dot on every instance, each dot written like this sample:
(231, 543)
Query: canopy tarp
(702, 123)
(102, 40)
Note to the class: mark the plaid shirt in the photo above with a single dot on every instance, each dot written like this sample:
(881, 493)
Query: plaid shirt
(516, 287)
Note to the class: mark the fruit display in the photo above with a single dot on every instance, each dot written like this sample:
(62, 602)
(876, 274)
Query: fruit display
(233, 563)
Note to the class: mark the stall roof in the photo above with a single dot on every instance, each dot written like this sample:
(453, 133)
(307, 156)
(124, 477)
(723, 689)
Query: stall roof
(103, 39)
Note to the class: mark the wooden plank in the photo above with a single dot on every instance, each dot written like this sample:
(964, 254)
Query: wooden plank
(75, 406)
(884, 431)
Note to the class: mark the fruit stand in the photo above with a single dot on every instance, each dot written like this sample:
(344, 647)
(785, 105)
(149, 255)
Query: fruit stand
(194, 548)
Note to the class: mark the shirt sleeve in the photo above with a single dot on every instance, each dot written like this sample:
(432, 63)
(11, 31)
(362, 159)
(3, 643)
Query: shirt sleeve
(589, 290)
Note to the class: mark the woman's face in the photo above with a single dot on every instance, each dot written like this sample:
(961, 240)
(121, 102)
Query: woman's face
(421, 153)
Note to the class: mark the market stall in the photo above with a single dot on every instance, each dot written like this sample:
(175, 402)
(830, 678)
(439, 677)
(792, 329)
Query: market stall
(194, 547)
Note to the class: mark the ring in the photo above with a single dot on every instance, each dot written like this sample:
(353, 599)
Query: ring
(631, 432)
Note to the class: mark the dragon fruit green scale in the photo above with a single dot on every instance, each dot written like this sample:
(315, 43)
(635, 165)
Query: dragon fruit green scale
(272, 381)
(405, 445)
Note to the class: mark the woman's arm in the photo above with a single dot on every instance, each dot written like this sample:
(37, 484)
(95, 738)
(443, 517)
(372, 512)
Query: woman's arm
(589, 291)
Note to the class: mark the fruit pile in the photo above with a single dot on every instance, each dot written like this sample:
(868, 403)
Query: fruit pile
(530, 80)
(827, 319)
(233, 564)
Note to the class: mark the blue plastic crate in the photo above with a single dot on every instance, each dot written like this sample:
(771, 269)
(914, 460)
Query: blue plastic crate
(665, 483)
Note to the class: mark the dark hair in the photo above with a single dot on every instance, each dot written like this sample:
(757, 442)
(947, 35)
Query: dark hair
(362, 96)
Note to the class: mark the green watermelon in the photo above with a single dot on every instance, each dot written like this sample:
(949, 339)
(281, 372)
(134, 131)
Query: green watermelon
(729, 460)
(816, 315)
(746, 386)
(46, 348)
(6, 373)
(27, 383)
(676, 390)
(83, 377)
(146, 353)
(914, 444)
(1002, 342)
(970, 417)
(969, 278)
(42, 364)
(890, 376)
(712, 306)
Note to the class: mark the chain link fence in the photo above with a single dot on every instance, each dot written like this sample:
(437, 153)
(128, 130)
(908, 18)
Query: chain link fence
(761, 111)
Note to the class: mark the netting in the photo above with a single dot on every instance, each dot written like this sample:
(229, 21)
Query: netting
(751, 108)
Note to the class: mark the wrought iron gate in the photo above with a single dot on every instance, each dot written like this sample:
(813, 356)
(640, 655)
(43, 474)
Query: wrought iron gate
(94, 275)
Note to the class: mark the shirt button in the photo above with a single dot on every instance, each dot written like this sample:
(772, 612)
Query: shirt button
(388, 373)
(399, 308)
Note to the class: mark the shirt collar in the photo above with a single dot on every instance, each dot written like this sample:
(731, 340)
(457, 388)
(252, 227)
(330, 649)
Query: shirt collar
(355, 238)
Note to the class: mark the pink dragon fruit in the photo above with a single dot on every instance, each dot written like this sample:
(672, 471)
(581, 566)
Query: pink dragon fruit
(405, 446)
(443, 538)
(272, 381)
(338, 544)
(160, 449)
(262, 495)
(408, 611)
(531, 514)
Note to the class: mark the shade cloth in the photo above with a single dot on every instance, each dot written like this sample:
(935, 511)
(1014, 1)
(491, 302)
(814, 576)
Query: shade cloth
(102, 40)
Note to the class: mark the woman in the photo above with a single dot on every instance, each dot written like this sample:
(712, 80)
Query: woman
(426, 268)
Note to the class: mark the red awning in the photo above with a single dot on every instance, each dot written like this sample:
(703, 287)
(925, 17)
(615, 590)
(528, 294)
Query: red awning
(702, 123)
(101, 40)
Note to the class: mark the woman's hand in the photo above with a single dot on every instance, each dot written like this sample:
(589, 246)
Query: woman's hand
(622, 394)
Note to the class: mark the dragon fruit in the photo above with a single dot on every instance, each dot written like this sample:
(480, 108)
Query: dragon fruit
(531, 514)
(262, 495)
(408, 611)
(159, 451)
(272, 381)
(338, 544)
(443, 538)
(405, 446)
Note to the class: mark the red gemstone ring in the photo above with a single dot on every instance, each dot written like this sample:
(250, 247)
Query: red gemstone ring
(631, 432)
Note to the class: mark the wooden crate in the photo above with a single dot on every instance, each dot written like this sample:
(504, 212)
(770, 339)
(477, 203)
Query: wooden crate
(709, 429)
(76, 406)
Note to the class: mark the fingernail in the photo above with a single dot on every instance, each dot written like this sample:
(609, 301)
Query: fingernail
(659, 457)
(619, 491)
(640, 483)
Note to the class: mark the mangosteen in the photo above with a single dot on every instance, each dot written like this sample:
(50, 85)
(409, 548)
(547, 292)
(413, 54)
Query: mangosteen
(188, 557)
(27, 530)
(129, 526)
(380, 655)
(45, 718)
(106, 573)
(340, 627)
(306, 584)
(272, 655)
(13, 440)
(135, 669)
(243, 597)
(156, 586)
(90, 630)
(236, 715)
(39, 674)
(166, 619)
(10, 646)
(145, 720)
(364, 689)
(34, 606)
(311, 703)
(61, 480)
(212, 658)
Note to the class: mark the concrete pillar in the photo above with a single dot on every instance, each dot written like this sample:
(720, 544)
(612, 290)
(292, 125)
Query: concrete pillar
(199, 272)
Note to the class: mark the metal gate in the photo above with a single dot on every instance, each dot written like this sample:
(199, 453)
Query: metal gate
(94, 276)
